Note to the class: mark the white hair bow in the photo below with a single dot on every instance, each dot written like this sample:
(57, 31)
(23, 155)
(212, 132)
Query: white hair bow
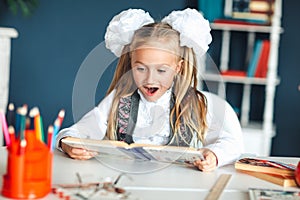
(193, 28)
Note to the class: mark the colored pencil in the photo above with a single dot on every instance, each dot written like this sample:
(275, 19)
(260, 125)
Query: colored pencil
(22, 111)
(50, 135)
(14, 145)
(22, 147)
(11, 115)
(42, 129)
(35, 114)
(57, 125)
(5, 128)
(1, 134)
(12, 136)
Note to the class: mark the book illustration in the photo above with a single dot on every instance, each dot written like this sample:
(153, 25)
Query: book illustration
(285, 181)
(144, 152)
(266, 194)
(265, 166)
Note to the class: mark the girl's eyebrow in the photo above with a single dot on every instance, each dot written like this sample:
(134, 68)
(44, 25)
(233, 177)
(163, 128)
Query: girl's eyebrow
(159, 65)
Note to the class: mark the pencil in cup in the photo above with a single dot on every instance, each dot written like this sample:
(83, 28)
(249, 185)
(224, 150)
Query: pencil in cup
(29, 168)
(4, 128)
(57, 125)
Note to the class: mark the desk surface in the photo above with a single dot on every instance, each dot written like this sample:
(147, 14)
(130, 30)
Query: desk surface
(164, 182)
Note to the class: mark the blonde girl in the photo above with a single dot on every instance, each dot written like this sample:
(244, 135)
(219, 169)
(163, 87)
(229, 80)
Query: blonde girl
(153, 96)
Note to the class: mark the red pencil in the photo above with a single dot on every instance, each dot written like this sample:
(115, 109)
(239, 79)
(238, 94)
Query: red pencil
(61, 116)
(22, 147)
(12, 137)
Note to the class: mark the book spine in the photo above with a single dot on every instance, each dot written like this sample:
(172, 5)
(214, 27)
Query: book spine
(262, 65)
(253, 62)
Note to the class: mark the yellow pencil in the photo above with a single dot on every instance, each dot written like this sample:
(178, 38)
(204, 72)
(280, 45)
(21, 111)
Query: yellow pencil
(35, 114)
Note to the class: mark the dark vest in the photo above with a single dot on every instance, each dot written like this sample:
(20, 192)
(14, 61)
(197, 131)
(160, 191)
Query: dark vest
(127, 117)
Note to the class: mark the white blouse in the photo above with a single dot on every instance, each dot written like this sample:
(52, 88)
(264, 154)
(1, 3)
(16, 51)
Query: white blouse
(224, 135)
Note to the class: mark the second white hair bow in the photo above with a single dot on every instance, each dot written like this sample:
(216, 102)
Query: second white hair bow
(193, 28)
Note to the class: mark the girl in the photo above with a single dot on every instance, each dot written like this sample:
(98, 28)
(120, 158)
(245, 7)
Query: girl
(153, 97)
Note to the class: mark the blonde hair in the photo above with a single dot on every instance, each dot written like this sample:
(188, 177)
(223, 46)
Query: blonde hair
(190, 104)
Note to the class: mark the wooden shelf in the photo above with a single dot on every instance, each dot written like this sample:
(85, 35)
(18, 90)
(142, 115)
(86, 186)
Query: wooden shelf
(236, 79)
(246, 28)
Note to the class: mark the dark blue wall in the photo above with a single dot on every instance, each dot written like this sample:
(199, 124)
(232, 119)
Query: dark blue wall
(53, 43)
(57, 38)
(287, 105)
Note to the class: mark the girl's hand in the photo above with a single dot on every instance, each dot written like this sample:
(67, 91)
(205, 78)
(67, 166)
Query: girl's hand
(78, 153)
(209, 163)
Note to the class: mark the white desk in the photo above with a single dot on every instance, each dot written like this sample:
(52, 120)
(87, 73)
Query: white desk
(172, 182)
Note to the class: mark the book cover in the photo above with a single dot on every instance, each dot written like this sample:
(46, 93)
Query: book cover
(262, 64)
(285, 181)
(263, 193)
(145, 152)
(265, 166)
(255, 56)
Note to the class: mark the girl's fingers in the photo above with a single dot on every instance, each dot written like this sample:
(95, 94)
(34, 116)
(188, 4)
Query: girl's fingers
(78, 153)
(210, 162)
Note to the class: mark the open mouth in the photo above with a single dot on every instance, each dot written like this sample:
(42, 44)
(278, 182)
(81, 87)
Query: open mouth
(151, 90)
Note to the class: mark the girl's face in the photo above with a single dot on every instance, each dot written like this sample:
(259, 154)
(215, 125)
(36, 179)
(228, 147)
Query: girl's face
(154, 70)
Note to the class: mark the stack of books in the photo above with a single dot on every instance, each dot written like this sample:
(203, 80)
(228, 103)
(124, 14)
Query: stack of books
(273, 171)
(250, 11)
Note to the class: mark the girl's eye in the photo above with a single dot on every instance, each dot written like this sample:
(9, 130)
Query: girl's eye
(140, 68)
(161, 70)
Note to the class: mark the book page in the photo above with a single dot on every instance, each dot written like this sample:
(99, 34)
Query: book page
(103, 147)
(174, 154)
(137, 151)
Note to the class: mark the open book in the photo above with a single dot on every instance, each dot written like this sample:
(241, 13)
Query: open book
(137, 151)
